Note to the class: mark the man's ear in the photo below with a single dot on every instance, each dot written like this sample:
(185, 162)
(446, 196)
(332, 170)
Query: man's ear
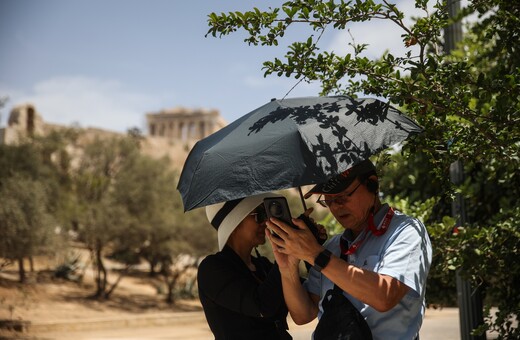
(372, 184)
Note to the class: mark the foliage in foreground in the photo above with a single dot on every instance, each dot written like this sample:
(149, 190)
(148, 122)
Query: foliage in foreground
(467, 100)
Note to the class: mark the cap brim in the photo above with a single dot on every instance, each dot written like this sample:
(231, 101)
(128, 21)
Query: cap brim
(342, 180)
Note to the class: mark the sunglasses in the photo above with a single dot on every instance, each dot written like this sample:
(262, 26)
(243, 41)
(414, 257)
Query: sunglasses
(339, 199)
(260, 215)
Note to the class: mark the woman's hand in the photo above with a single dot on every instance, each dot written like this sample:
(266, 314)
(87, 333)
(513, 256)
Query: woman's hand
(323, 235)
(321, 231)
(285, 262)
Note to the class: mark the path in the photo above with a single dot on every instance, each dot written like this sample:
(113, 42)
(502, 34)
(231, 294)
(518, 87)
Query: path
(438, 324)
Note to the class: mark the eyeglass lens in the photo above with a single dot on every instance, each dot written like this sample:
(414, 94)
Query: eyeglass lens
(340, 199)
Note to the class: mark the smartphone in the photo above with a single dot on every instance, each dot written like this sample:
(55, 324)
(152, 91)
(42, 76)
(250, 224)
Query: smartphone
(277, 207)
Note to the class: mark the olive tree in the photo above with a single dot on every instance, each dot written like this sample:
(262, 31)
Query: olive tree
(97, 217)
(26, 226)
(33, 190)
(160, 232)
(145, 187)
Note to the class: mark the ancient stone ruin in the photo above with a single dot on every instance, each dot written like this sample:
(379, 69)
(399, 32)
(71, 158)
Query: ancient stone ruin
(170, 132)
(184, 124)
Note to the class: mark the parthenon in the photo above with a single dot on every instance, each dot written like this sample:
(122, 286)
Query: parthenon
(184, 124)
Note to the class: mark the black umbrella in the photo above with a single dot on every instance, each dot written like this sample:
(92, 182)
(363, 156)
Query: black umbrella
(289, 143)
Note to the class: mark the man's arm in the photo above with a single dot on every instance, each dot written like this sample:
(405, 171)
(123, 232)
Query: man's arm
(382, 292)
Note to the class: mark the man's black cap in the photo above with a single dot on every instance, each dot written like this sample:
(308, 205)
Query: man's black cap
(338, 183)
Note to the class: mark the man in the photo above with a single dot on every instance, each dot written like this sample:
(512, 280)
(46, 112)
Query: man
(380, 261)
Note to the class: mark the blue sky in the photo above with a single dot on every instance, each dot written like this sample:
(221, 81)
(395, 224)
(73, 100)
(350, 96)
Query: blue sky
(106, 63)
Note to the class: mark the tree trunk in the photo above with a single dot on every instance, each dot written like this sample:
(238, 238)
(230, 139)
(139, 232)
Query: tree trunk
(153, 265)
(113, 287)
(171, 285)
(21, 270)
(101, 274)
(171, 281)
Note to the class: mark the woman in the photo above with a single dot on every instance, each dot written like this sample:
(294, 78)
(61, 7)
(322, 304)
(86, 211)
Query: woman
(241, 294)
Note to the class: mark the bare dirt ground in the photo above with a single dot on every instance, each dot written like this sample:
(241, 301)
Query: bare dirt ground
(60, 309)
(59, 299)
(46, 301)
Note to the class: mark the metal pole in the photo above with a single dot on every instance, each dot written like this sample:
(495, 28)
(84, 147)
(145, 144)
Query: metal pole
(452, 33)
(469, 300)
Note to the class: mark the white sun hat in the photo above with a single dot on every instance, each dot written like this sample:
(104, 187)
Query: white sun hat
(226, 216)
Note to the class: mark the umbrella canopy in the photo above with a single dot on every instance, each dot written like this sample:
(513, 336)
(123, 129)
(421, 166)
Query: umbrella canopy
(289, 143)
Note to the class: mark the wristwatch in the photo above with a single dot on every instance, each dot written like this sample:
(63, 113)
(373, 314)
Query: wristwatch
(322, 260)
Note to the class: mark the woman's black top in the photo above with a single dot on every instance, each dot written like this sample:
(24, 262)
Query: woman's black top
(238, 303)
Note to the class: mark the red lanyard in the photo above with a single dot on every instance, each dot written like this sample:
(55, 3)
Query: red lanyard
(376, 231)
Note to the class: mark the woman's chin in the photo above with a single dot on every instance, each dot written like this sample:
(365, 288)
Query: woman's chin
(261, 240)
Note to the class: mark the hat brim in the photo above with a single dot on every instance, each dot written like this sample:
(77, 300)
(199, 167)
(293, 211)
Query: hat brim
(235, 217)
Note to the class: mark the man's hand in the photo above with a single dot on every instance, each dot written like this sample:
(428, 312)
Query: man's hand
(298, 242)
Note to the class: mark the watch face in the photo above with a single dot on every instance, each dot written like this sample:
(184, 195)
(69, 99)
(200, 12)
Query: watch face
(322, 260)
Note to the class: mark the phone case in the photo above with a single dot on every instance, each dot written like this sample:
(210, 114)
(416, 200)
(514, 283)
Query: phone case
(277, 207)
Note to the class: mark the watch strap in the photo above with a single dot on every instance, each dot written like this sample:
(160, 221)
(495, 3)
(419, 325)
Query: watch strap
(322, 260)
